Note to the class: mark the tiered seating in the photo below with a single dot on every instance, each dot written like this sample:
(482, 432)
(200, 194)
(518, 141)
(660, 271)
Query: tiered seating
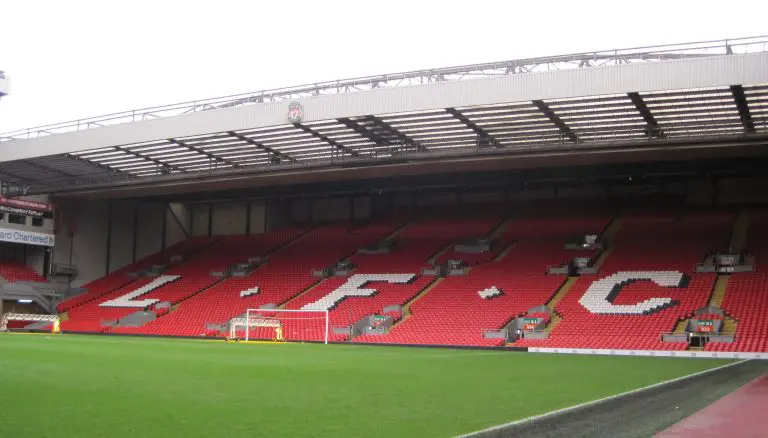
(119, 278)
(413, 247)
(88, 316)
(287, 273)
(453, 313)
(746, 297)
(644, 244)
(650, 266)
(14, 271)
(195, 275)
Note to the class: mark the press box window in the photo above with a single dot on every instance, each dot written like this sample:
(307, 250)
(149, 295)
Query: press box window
(17, 219)
(37, 222)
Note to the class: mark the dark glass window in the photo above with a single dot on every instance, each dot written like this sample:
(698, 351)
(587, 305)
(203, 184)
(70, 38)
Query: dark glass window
(17, 219)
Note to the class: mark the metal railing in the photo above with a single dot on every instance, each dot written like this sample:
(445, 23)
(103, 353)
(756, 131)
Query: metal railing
(493, 69)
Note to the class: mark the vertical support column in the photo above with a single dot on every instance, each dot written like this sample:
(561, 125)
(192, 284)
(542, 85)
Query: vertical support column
(110, 208)
(164, 228)
(210, 219)
(248, 213)
(135, 230)
(191, 211)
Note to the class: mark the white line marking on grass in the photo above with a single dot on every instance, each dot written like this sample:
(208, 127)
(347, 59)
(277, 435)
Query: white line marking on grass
(595, 402)
(409, 352)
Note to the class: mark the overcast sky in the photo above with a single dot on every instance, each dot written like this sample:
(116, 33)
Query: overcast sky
(70, 59)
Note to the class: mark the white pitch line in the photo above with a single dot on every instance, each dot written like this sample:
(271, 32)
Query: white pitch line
(595, 402)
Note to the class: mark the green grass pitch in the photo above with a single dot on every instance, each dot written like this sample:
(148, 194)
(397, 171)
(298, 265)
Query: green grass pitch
(98, 386)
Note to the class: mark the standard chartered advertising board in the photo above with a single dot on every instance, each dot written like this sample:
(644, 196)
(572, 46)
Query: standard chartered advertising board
(28, 237)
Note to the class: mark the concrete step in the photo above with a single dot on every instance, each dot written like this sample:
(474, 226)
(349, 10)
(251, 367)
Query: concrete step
(556, 298)
(718, 291)
(680, 327)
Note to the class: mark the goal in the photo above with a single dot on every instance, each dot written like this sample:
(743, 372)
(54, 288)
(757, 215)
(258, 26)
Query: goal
(281, 325)
(44, 321)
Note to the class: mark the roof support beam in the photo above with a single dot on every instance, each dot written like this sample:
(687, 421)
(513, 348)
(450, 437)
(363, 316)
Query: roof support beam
(547, 111)
(202, 152)
(365, 132)
(47, 169)
(652, 126)
(269, 150)
(743, 107)
(327, 139)
(394, 132)
(150, 159)
(481, 134)
(19, 181)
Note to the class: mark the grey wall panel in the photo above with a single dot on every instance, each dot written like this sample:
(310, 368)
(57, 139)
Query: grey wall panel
(700, 192)
(36, 258)
(483, 198)
(277, 215)
(300, 211)
(258, 217)
(403, 201)
(529, 195)
(229, 219)
(89, 248)
(61, 252)
(176, 224)
(581, 192)
(742, 190)
(121, 234)
(634, 190)
(362, 208)
(199, 218)
(713, 71)
(149, 231)
(674, 188)
(331, 209)
(437, 199)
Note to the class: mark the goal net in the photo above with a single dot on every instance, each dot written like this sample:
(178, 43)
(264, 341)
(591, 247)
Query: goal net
(281, 325)
(45, 321)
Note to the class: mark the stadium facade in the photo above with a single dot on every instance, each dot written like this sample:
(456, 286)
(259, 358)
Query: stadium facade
(683, 122)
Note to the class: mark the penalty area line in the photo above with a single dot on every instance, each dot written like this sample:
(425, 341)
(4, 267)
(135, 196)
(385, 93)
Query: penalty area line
(594, 402)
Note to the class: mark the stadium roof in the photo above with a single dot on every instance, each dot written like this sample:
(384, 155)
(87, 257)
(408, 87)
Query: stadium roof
(677, 96)
(3, 85)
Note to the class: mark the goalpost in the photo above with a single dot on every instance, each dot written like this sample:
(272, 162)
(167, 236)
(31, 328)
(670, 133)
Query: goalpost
(280, 325)
(31, 318)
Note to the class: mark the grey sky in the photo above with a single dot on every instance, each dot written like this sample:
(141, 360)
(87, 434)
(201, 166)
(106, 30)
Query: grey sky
(78, 58)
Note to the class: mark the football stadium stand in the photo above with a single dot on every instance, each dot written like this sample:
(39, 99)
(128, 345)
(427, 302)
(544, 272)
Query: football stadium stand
(746, 299)
(653, 243)
(645, 286)
(605, 200)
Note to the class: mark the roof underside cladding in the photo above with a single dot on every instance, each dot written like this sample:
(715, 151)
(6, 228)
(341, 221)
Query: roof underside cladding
(515, 126)
(680, 113)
